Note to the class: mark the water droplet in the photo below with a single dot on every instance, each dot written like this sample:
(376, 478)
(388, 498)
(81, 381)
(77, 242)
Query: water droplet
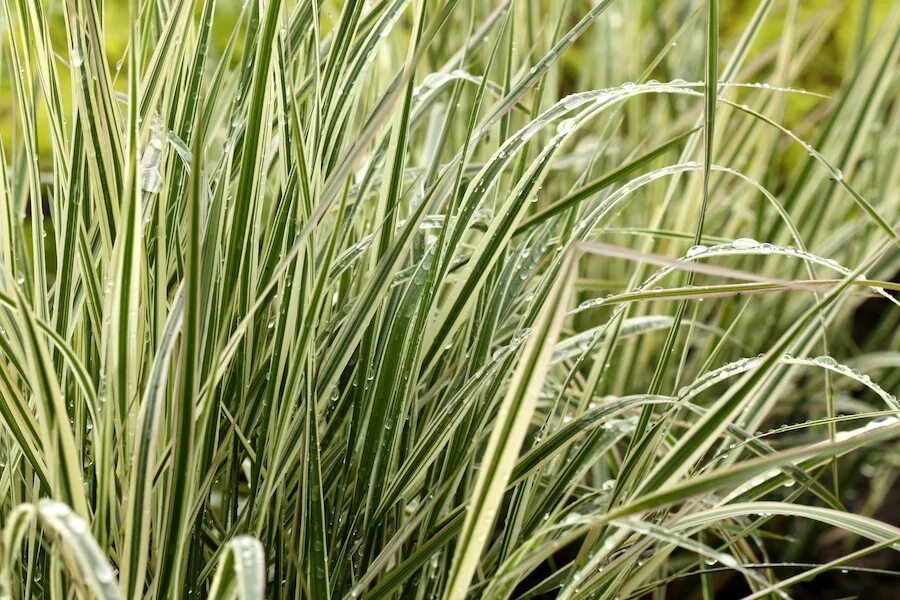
(826, 361)
(565, 126)
(744, 243)
(575, 100)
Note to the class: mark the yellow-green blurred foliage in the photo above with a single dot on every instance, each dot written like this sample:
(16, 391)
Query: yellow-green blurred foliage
(840, 20)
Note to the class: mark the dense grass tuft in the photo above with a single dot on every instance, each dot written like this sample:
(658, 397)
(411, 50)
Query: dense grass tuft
(449, 299)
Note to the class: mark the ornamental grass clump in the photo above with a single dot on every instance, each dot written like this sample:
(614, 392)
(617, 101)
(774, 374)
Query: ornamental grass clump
(460, 299)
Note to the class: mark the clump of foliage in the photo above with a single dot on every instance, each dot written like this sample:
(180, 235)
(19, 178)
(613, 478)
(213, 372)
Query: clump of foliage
(416, 299)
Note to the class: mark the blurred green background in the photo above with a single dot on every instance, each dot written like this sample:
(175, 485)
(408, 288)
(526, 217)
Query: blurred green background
(844, 25)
